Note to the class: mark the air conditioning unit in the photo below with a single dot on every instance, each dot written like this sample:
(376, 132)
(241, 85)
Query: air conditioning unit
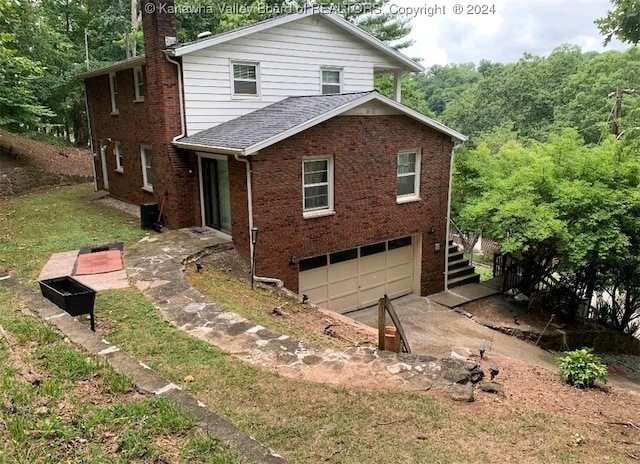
(149, 213)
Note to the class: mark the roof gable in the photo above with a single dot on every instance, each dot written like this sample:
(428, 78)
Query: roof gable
(260, 129)
(335, 19)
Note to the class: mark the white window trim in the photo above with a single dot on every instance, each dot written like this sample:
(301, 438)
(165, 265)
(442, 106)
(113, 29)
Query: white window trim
(415, 196)
(329, 210)
(322, 83)
(143, 161)
(117, 152)
(136, 84)
(113, 92)
(240, 96)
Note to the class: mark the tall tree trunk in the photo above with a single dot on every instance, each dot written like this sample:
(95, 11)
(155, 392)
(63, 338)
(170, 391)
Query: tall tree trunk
(80, 124)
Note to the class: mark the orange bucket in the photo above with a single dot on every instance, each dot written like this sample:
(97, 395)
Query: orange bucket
(390, 338)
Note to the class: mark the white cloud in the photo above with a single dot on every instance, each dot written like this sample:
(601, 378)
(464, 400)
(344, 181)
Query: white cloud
(507, 30)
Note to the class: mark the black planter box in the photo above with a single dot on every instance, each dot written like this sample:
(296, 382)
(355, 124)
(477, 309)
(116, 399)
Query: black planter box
(70, 295)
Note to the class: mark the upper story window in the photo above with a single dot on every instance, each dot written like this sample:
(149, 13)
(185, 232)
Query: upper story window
(146, 157)
(113, 88)
(408, 175)
(317, 180)
(138, 84)
(331, 80)
(117, 151)
(245, 79)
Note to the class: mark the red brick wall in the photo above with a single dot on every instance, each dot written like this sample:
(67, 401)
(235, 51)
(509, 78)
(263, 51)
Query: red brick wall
(365, 157)
(130, 128)
(173, 172)
(155, 122)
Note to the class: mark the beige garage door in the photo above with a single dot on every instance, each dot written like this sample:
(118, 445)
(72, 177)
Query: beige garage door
(358, 277)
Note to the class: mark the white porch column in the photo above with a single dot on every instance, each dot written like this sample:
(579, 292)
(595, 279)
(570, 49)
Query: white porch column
(397, 86)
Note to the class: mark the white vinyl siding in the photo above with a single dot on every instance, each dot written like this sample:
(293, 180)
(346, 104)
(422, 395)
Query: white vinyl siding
(117, 151)
(146, 155)
(289, 56)
(408, 173)
(113, 89)
(138, 84)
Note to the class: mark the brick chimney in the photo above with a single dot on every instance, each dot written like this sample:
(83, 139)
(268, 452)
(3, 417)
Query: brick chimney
(171, 171)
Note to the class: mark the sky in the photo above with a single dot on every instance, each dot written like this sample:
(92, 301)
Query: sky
(444, 35)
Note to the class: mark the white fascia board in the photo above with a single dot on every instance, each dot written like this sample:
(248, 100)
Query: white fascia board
(234, 34)
(344, 108)
(115, 67)
(422, 118)
(374, 42)
(208, 149)
(264, 25)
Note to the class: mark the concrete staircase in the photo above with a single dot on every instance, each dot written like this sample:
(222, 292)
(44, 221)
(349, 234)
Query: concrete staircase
(460, 270)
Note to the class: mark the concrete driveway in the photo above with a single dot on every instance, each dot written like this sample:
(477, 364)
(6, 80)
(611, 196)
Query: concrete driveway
(433, 329)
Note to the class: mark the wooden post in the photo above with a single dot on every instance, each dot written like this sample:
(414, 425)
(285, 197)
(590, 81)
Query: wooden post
(381, 323)
(396, 320)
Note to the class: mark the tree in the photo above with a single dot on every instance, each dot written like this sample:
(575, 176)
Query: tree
(19, 74)
(442, 84)
(566, 207)
(623, 22)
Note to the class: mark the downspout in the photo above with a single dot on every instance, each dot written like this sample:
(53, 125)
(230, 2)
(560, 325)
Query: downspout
(267, 280)
(446, 254)
(93, 155)
(180, 99)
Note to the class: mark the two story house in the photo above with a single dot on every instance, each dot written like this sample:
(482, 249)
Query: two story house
(277, 126)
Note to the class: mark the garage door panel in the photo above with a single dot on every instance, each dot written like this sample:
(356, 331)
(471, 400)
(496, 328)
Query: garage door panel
(344, 303)
(400, 256)
(372, 263)
(371, 295)
(344, 270)
(344, 287)
(399, 272)
(313, 278)
(372, 279)
(399, 287)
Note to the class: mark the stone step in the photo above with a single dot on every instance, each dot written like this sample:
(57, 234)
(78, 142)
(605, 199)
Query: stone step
(456, 256)
(464, 280)
(461, 271)
(458, 264)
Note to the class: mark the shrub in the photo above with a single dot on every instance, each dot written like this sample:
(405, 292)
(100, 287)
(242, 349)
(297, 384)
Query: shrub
(581, 368)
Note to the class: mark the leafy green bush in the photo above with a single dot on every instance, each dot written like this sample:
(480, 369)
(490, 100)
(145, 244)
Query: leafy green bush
(581, 368)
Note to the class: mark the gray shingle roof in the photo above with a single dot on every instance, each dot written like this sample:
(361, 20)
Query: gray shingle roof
(267, 122)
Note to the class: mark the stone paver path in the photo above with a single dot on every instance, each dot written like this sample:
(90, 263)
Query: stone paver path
(156, 266)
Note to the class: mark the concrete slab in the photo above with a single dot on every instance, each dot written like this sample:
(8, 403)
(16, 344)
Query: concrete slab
(106, 281)
(435, 329)
(458, 296)
(59, 265)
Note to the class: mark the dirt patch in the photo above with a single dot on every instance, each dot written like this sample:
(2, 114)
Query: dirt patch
(343, 331)
(32, 153)
(27, 165)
